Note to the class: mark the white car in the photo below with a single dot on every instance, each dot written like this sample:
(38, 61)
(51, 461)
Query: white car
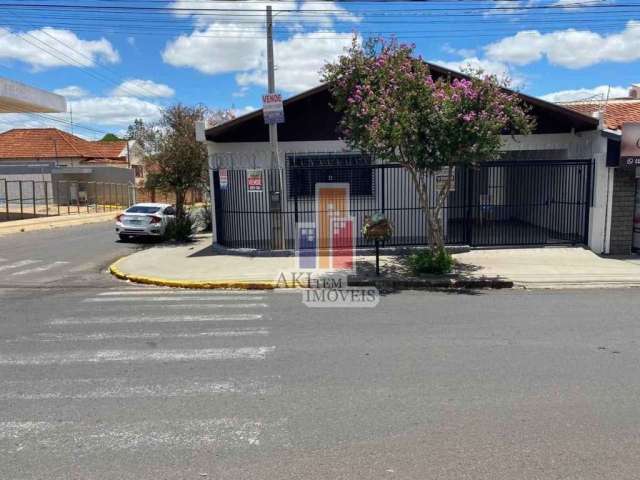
(144, 220)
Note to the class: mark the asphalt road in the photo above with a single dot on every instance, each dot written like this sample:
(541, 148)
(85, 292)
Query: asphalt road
(62, 256)
(118, 381)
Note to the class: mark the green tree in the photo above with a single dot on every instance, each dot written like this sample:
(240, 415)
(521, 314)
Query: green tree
(110, 137)
(176, 162)
(393, 108)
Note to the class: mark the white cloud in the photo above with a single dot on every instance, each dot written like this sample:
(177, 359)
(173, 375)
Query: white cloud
(499, 69)
(596, 93)
(323, 14)
(72, 91)
(99, 113)
(461, 52)
(143, 88)
(568, 48)
(209, 52)
(238, 112)
(114, 111)
(64, 48)
(298, 59)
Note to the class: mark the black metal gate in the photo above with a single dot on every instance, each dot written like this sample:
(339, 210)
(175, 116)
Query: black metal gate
(493, 204)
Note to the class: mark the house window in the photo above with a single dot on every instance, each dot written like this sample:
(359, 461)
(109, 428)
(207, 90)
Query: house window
(305, 170)
(137, 171)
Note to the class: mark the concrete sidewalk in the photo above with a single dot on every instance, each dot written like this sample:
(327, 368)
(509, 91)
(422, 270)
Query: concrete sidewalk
(46, 223)
(556, 267)
(198, 265)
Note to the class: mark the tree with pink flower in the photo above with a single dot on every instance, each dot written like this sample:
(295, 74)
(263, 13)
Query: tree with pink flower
(394, 109)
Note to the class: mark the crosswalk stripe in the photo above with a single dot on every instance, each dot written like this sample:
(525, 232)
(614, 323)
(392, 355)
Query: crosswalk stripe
(157, 290)
(168, 299)
(114, 387)
(99, 336)
(104, 356)
(101, 437)
(21, 263)
(184, 318)
(43, 268)
(220, 305)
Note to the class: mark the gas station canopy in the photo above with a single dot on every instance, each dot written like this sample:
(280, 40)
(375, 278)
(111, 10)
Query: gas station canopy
(17, 97)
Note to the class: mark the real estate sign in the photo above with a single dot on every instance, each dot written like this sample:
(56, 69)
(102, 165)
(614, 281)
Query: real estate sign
(223, 175)
(272, 108)
(254, 180)
(630, 145)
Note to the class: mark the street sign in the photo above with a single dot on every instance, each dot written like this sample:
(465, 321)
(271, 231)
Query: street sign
(630, 145)
(272, 108)
(223, 174)
(254, 180)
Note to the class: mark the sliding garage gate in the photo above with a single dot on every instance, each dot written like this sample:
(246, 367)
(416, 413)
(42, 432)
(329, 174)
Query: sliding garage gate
(497, 203)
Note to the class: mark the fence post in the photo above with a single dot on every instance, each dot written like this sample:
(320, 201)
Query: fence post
(382, 187)
(20, 190)
(57, 195)
(6, 198)
(46, 198)
(468, 194)
(33, 197)
(587, 205)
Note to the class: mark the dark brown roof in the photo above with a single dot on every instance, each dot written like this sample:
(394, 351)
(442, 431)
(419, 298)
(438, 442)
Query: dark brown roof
(309, 117)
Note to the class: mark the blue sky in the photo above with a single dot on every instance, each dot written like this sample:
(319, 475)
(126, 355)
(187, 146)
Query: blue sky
(117, 60)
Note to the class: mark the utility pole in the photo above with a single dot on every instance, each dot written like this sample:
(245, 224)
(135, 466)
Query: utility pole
(271, 88)
(276, 181)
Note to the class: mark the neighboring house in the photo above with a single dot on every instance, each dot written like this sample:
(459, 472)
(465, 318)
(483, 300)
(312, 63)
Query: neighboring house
(50, 155)
(551, 187)
(32, 146)
(625, 182)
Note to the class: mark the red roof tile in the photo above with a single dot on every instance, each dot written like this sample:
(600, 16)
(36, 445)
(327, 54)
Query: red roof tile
(50, 143)
(616, 112)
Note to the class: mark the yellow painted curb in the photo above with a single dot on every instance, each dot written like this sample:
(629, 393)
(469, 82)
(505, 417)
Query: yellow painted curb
(162, 282)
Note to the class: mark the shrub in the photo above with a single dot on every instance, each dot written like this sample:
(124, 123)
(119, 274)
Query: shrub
(179, 229)
(430, 262)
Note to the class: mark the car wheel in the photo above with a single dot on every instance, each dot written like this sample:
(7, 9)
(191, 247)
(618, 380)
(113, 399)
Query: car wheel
(124, 238)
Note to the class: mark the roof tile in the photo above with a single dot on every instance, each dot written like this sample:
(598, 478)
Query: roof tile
(616, 112)
(50, 143)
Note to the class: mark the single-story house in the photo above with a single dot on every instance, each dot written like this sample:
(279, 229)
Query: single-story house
(553, 186)
(614, 112)
(65, 164)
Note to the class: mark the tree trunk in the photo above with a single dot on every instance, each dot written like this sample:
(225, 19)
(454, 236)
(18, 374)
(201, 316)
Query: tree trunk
(435, 232)
(179, 203)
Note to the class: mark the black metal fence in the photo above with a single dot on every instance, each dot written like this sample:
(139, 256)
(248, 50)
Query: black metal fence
(492, 204)
(20, 199)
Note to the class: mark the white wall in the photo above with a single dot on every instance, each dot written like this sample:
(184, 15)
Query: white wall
(582, 145)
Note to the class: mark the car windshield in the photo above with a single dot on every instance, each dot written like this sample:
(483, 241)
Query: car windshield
(142, 209)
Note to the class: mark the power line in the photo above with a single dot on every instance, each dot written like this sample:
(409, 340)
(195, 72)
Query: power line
(10, 109)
